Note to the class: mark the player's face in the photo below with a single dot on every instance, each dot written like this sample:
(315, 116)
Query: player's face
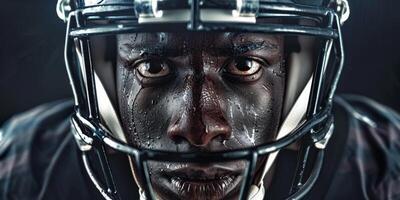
(199, 92)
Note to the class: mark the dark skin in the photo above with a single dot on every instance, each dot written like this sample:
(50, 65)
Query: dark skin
(199, 92)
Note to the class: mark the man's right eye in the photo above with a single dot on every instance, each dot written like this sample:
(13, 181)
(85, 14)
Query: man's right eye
(154, 68)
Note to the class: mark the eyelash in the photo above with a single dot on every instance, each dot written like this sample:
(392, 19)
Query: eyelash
(132, 64)
(262, 61)
(244, 78)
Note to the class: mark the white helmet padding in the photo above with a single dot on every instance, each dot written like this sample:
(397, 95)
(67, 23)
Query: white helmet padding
(300, 66)
(103, 60)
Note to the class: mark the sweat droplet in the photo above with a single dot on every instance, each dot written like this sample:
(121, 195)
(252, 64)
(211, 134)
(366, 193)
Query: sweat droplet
(162, 37)
(224, 143)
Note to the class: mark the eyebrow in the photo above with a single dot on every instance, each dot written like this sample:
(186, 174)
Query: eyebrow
(253, 46)
(231, 50)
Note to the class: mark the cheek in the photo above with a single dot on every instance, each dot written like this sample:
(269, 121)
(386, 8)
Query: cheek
(145, 112)
(127, 88)
(151, 115)
(254, 110)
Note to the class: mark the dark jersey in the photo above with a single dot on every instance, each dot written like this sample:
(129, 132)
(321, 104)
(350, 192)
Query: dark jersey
(40, 160)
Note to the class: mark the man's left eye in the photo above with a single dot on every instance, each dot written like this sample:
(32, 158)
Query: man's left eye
(243, 66)
(153, 68)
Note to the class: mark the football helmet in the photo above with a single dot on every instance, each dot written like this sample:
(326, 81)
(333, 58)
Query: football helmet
(312, 80)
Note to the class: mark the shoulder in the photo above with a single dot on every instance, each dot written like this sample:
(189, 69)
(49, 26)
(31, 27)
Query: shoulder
(369, 112)
(371, 160)
(371, 126)
(33, 127)
(39, 119)
(32, 144)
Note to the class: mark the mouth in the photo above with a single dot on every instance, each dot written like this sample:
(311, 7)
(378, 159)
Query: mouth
(194, 182)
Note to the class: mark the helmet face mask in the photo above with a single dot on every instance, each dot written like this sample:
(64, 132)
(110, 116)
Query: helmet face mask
(132, 99)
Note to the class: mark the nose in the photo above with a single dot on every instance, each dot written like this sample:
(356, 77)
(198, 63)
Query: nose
(200, 120)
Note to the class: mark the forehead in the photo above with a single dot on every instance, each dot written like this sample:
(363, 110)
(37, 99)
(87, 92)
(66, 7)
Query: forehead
(196, 39)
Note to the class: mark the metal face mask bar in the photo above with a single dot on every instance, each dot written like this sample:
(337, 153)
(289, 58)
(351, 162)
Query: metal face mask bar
(153, 16)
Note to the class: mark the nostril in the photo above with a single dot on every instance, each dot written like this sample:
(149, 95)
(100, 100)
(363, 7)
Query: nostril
(178, 139)
(218, 129)
(199, 137)
(221, 138)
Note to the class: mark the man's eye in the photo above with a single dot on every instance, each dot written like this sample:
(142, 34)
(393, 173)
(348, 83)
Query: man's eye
(153, 68)
(243, 66)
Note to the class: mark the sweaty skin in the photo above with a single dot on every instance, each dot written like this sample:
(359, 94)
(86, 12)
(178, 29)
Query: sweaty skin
(199, 92)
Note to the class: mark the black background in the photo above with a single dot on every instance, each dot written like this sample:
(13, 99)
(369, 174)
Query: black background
(32, 66)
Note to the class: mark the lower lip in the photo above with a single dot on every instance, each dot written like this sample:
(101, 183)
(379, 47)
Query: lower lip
(204, 189)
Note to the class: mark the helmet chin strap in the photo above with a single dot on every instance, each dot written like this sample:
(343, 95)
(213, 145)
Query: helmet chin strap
(293, 119)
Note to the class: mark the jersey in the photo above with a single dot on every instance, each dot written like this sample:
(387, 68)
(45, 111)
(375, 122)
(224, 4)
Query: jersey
(39, 158)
